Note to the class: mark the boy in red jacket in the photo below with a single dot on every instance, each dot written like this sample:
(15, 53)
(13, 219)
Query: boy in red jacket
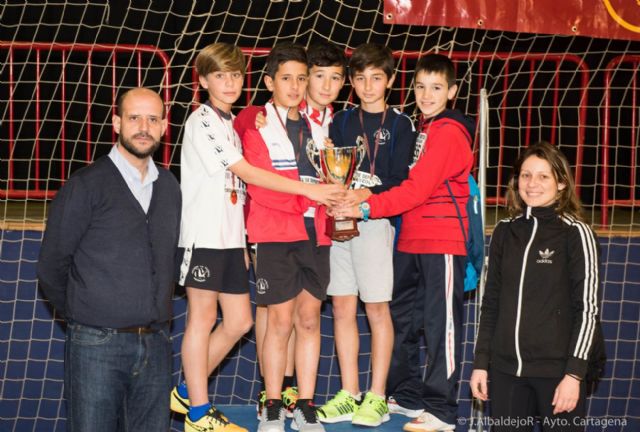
(327, 70)
(292, 251)
(429, 264)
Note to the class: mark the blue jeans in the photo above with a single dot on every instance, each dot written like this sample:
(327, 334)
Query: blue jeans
(117, 381)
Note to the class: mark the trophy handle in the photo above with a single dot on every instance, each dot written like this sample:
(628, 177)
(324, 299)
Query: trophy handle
(312, 152)
(359, 152)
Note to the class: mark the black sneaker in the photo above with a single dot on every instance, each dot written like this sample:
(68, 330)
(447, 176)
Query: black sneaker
(305, 418)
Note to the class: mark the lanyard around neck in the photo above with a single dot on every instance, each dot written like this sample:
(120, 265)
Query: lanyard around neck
(376, 140)
(282, 123)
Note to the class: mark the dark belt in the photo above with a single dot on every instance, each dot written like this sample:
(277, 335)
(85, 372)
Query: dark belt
(137, 330)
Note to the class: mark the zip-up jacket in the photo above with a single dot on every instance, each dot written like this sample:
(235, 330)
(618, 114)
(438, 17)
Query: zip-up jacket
(395, 138)
(539, 311)
(274, 216)
(429, 218)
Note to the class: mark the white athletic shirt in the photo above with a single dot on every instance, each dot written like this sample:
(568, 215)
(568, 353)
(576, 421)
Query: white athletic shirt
(210, 219)
(319, 132)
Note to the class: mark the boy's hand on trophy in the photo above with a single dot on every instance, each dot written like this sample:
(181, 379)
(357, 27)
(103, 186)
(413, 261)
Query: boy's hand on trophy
(347, 211)
(353, 197)
(327, 194)
(328, 143)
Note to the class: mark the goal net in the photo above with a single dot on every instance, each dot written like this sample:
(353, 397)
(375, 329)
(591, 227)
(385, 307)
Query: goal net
(63, 64)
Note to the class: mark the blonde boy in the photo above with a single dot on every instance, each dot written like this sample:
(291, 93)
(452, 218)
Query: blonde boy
(212, 237)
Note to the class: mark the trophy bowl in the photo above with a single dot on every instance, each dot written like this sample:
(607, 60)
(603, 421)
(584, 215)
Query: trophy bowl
(337, 165)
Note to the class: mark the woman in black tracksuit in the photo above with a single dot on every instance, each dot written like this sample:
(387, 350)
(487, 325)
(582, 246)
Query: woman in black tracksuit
(539, 311)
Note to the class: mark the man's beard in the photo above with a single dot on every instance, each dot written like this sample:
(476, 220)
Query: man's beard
(134, 151)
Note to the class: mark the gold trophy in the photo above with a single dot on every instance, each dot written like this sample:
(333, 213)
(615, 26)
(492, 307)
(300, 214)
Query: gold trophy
(337, 165)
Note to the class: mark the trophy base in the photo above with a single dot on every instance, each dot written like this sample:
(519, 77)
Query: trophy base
(342, 229)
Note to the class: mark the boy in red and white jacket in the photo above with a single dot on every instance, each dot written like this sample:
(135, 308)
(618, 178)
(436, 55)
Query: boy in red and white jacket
(429, 264)
(327, 70)
(292, 252)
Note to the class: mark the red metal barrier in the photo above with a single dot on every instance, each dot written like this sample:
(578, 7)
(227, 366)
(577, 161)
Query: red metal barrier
(65, 51)
(611, 69)
(481, 63)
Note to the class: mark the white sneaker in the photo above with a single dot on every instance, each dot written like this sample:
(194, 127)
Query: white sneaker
(305, 418)
(396, 408)
(272, 417)
(427, 422)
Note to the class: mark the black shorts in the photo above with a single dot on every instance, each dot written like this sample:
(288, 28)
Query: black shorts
(283, 270)
(221, 270)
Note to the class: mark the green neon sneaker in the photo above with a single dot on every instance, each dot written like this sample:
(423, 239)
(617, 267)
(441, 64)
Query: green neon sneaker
(373, 411)
(262, 398)
(289, 399)
(339, 409)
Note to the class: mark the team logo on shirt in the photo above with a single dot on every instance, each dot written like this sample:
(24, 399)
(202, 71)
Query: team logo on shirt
(382, 136)
(200, 273)
(262, 286)
(545, 256)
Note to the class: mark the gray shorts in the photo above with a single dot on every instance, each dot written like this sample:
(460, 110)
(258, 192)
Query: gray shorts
(364, 265)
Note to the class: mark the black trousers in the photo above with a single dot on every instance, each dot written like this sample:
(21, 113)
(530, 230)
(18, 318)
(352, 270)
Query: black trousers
(427, 294)
(517, 403)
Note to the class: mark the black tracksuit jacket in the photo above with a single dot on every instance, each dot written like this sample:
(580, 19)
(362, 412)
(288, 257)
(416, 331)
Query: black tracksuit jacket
(540, 307)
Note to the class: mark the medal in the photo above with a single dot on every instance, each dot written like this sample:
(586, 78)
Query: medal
(231, 137)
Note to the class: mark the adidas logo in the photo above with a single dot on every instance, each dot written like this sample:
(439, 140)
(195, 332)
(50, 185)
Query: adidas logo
(545, 257)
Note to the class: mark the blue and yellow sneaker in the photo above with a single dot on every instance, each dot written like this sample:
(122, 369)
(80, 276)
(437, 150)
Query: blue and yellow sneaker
(178, 403)
(212, 421)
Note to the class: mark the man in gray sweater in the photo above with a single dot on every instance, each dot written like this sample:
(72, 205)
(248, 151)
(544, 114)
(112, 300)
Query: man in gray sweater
(107, 266)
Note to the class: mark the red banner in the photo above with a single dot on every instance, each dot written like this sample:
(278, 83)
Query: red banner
(611, 19)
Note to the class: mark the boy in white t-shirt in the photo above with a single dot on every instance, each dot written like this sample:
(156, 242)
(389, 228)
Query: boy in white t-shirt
(214, 267)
